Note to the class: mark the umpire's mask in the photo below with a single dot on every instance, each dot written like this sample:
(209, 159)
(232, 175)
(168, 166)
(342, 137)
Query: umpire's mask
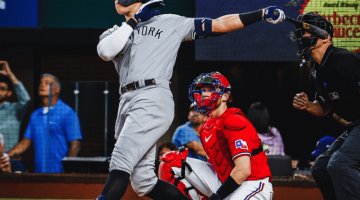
(305, 43)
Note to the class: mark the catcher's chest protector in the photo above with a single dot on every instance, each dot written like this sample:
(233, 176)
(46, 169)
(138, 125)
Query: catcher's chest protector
(215, 144)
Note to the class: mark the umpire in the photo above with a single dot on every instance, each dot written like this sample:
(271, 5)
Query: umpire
(336, 74)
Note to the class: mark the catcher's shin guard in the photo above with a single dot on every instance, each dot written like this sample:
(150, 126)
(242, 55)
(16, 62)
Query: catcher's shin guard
(177, 159)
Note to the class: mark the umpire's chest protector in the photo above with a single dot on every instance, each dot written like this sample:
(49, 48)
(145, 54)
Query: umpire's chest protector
(215, 143)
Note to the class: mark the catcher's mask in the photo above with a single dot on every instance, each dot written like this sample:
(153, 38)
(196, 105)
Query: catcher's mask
(306, 43)
(215, 83)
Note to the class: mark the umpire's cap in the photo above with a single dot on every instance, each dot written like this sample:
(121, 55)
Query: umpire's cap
(317, 20)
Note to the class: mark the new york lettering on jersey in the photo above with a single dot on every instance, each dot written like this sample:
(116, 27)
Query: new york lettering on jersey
(149, 31)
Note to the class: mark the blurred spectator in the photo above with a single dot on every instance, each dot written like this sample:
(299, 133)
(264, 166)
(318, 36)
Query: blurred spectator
(303, 169)
(165, 147)
(321, 146)
(11, 114)
(188, 134)
(54, 129)
(270, 137)
(5, 165)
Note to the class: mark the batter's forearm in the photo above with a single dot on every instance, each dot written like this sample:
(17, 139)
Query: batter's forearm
(227, 23)
(233, 22)
(110, 46)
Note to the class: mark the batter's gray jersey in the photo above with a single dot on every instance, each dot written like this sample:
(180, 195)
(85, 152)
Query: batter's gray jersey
(146, 113)
(152, 48)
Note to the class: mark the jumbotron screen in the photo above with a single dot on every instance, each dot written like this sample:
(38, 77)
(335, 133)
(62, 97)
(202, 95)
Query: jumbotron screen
(18, 14)
(267, 42)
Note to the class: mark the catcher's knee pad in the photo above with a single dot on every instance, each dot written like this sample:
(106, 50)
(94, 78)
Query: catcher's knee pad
(175, 160)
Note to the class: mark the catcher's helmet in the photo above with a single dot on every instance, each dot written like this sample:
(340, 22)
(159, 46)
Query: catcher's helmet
(218, 84)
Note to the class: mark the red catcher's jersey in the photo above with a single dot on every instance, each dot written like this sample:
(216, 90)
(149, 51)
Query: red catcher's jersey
(229, 136)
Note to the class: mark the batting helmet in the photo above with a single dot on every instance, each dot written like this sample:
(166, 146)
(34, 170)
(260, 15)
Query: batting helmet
(218, 85)
(129, 2)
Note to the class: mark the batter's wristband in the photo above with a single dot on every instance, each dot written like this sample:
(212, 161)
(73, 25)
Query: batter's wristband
(251, 17)
(132, 23)
(228, 187)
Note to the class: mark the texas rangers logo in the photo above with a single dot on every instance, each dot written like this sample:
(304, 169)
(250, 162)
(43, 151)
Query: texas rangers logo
(241, 144)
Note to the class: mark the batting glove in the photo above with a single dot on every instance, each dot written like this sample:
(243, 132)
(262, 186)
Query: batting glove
(273, 14)
(148, 10)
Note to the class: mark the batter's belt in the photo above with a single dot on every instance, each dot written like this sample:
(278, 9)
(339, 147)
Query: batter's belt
(136, 84)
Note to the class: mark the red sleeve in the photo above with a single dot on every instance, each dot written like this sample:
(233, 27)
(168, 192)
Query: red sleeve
(238, 134)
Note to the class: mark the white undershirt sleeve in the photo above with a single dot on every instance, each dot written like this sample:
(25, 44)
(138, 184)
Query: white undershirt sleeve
(113, 41)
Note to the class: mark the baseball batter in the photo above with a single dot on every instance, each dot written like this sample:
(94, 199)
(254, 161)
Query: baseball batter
(144, 50)
(238, 167)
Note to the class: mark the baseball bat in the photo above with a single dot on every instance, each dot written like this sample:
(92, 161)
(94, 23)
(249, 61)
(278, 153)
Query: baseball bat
(321, 33)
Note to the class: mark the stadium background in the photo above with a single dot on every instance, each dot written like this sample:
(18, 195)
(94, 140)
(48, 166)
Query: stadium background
(60, 37)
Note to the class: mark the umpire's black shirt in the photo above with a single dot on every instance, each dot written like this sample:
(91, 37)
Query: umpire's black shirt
(337, 81)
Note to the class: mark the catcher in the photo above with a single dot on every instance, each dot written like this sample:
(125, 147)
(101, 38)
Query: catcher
(238, 167)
